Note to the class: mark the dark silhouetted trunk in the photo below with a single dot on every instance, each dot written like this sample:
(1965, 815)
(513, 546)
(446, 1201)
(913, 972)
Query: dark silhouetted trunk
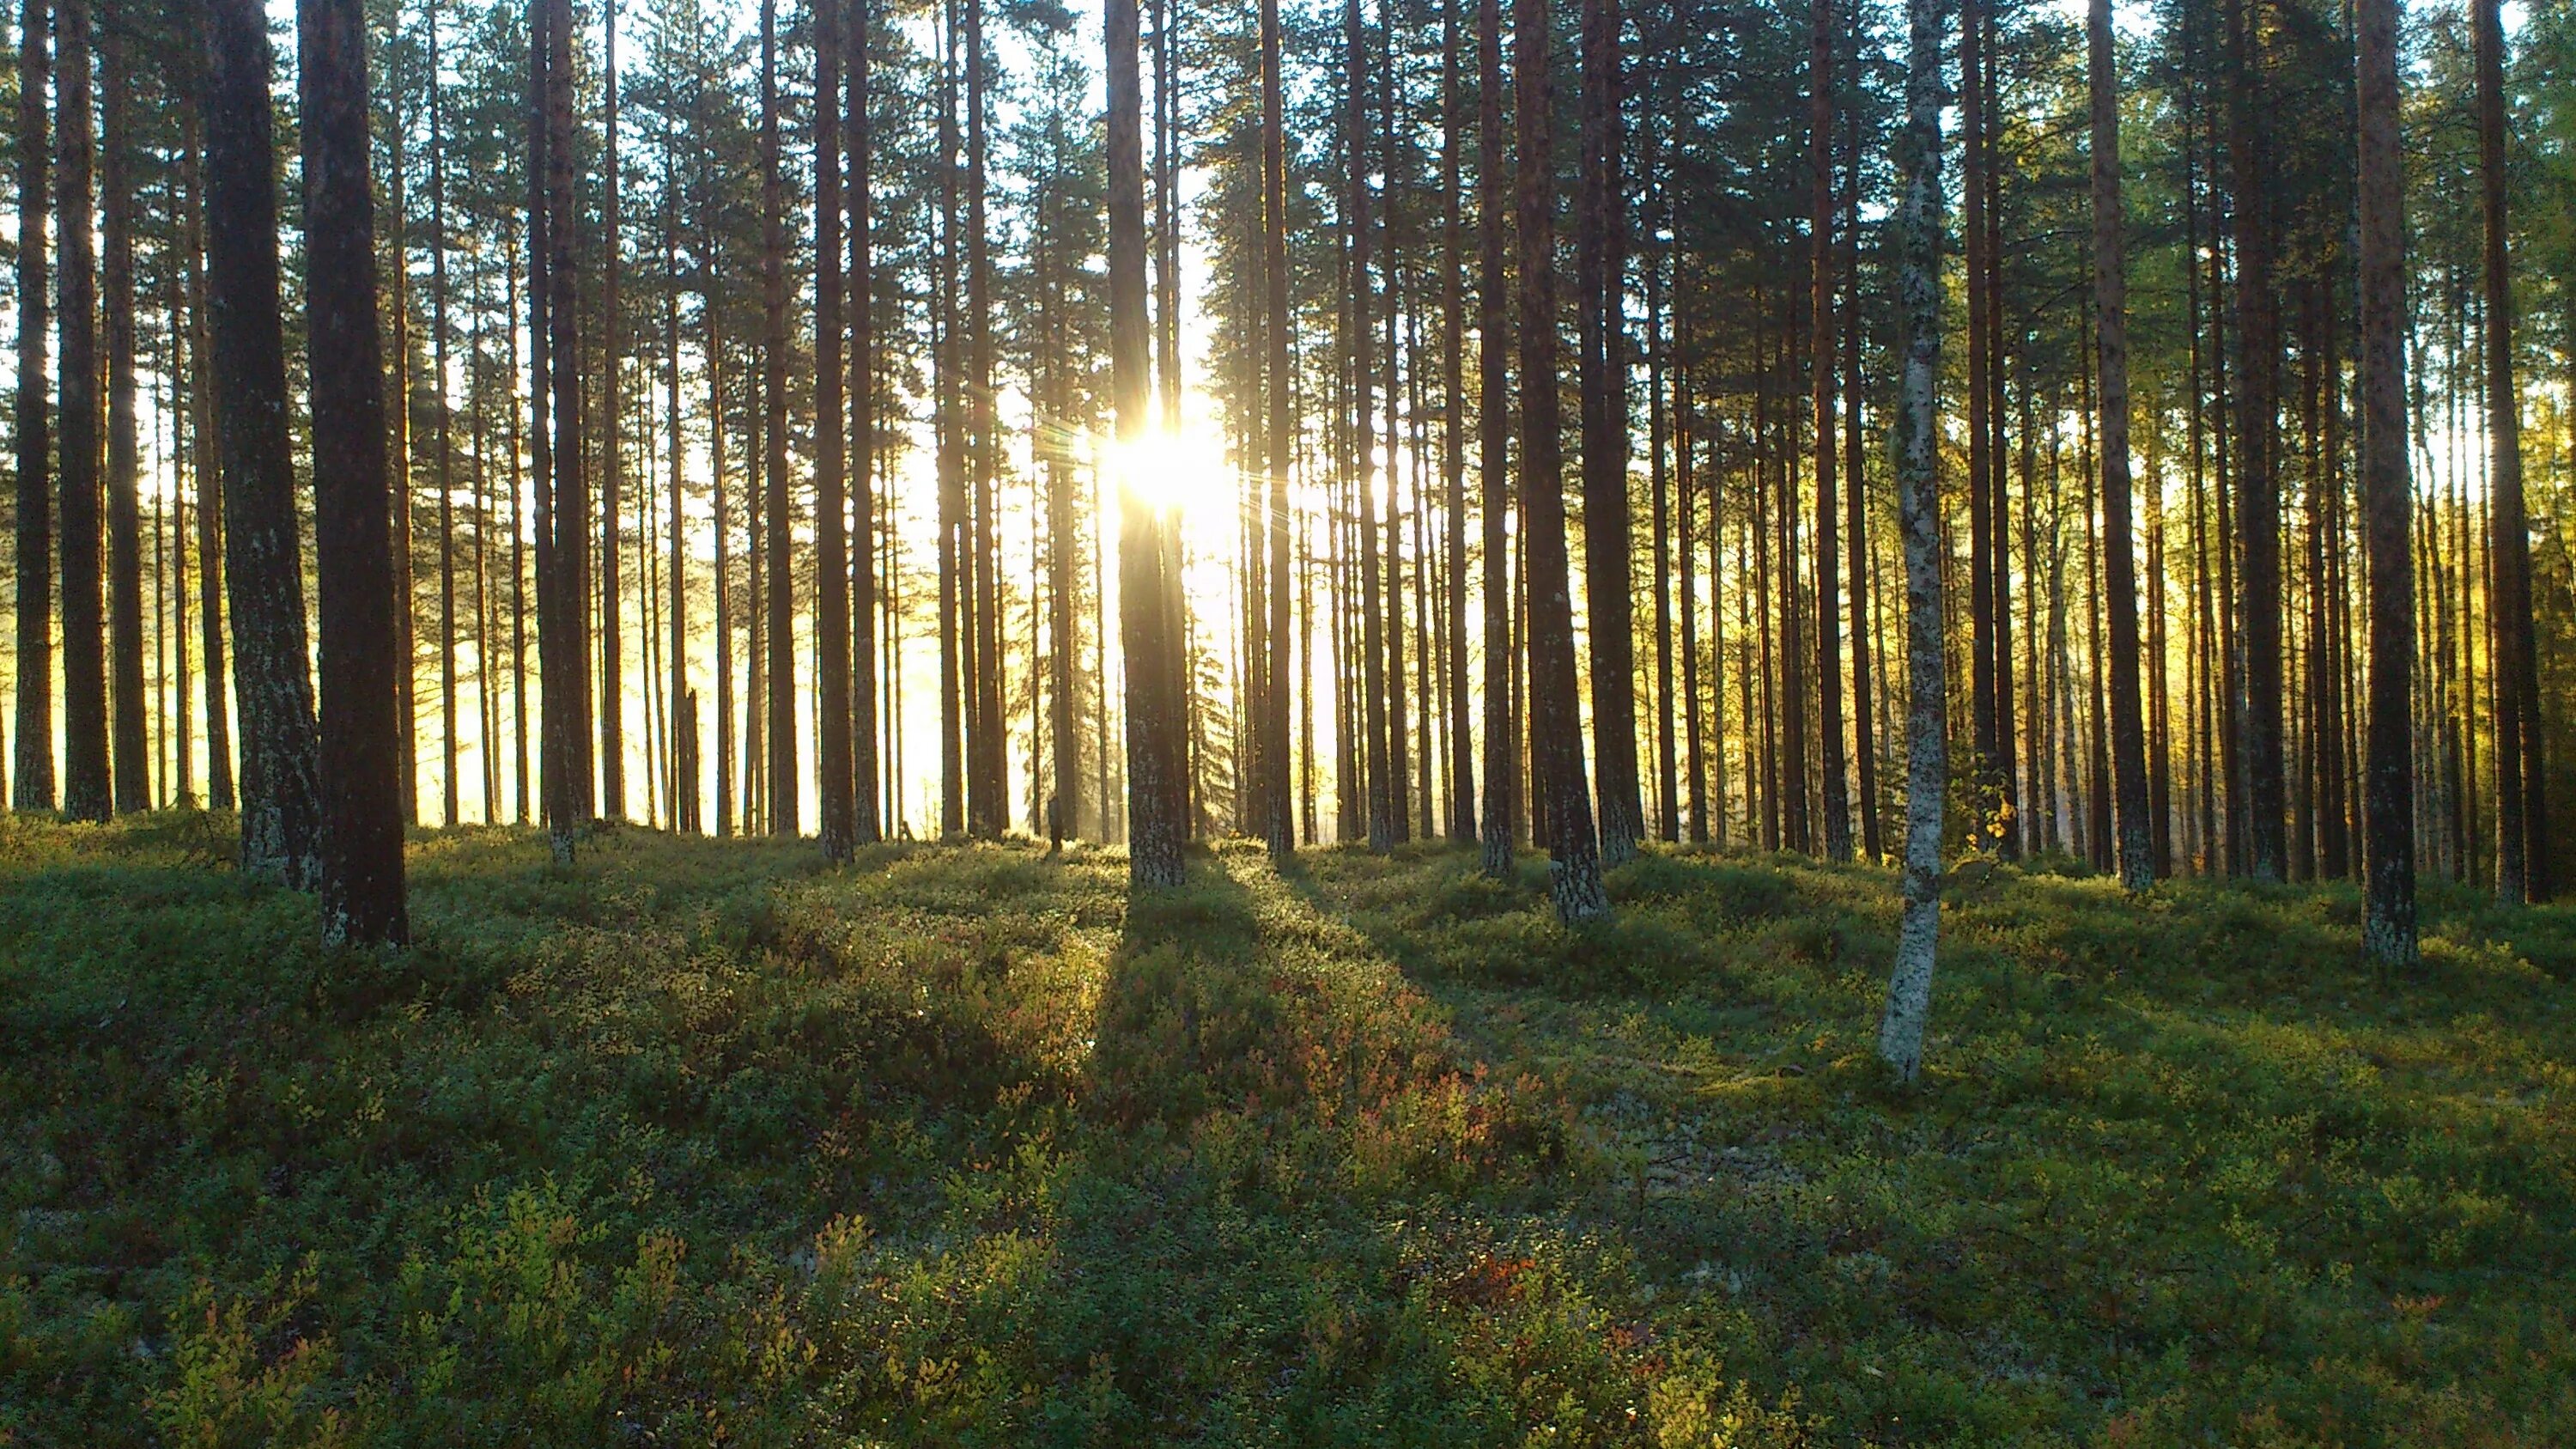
(838, 805)
(1829, 643)
(866, 820)
(2258, 483)
(2120, 573)
(361, 776)
(85, 758)
(776, 519)
(1493, 421)
(2522, 817)
(1600, 267)
(2388, 772)
(132, 755)
(35, 599)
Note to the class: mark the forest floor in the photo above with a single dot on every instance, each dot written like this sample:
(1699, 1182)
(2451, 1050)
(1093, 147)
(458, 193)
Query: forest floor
(701, 1142)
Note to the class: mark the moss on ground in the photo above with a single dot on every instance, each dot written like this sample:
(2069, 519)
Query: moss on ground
(701, 1142)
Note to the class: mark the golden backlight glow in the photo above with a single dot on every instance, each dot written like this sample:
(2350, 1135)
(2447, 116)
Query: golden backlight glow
(1185, 469)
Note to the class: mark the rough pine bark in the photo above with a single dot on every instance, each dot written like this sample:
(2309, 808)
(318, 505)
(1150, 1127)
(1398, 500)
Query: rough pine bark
(1918, 225)
(612, 451)
(2258, 491)
(34, 775)
(361, 733)
(2388, 773)
(1556, 741)
(566, 665)
(281, 816)
(2120, 570)
(1453, 449)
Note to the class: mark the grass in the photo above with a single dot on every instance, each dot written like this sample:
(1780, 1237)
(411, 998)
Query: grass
(702, 1143)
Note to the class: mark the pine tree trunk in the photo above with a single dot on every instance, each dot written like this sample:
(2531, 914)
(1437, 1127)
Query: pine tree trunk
(2388, 779)
(566, 667)
(1918, 223)
(1829, 644)
(35, 561)
(1984, 713)
(2111, 340)
(2258, 509)
(281, 809)
(779, 762)
(1155, 824)
(361, 736)
(1278, 827)
(1556, 742)
(988, 728)
(132, 755)
(85, 750)
(867, 823)
(1453, 449)
(1600, 276)
(832, 754)
(1493, 420)
(612, 453)
(2522, 815)
(1856, 513)
(443, 419)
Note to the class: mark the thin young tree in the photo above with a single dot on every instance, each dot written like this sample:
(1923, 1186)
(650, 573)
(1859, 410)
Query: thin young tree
(2522, 817)
(1493, 460)
(35, 620)
(612, 440)
(1918, 237)
(1556, 741)
(361, 733)
(281, 812)
(2388, 770)
(2119, 558)
(839, 806)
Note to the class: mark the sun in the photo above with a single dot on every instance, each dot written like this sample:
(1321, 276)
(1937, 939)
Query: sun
(1183, 470)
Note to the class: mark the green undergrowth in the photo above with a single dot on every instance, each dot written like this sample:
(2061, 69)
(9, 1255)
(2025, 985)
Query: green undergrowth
(701, 1142)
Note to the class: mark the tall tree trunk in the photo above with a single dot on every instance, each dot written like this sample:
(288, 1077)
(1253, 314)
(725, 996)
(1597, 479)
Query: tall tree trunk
(1829, 644)
(988, 728)
(2111, 340)
(1918, 222)
(361, 736)
(2388, 779)
(1279, 827)
(132, 756)
(1362, 321)
(281, 815)
(35, 560)
(1659, 438)
(1493, 421)
(1155, 825)
(1984, 713)
(866, 821)
(956, 670)
(1855, 503)
(1453, 449)
(1556, 741)
(2522, 817)
(566, 669)
(612, 450)
(85, 753)
(443, 419)
(1600, 265)
(2258, 511)
(780, 761)
(832, 754)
